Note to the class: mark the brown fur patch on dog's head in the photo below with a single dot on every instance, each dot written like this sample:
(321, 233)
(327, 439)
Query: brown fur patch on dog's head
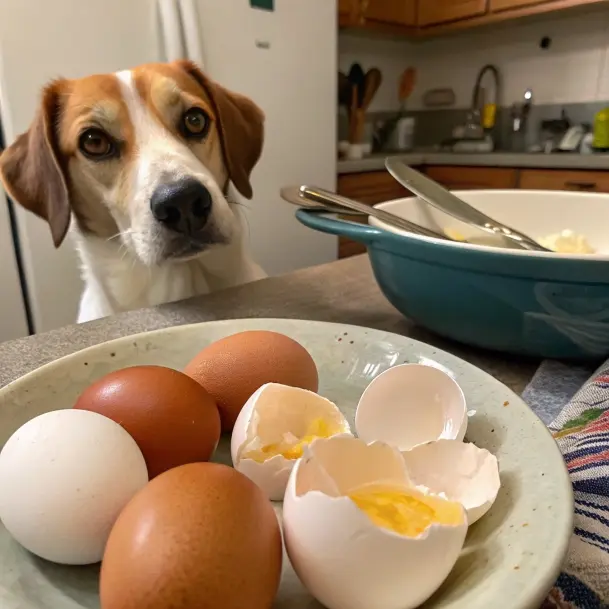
(46, 171)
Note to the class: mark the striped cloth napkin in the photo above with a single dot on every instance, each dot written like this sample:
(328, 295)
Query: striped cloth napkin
(574, 402)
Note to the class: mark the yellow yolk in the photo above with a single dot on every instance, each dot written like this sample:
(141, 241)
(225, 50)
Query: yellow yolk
(406, 513)
(318, 428)
(454, 234)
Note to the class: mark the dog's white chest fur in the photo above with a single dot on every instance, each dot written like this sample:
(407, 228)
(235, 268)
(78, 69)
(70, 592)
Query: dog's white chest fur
(116, 281)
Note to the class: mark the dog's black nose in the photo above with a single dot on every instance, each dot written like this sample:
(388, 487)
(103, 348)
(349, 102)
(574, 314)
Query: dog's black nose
(183, 206)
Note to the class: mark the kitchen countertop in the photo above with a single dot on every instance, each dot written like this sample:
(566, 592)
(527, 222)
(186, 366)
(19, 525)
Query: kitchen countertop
(342, 291)
(376, 162)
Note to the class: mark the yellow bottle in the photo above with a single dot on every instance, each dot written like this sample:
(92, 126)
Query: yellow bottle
(489, 113)
(601, 130)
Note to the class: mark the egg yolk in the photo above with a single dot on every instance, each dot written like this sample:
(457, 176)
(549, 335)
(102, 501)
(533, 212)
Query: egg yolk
(454, 234)
(318, 428)
(404, 513)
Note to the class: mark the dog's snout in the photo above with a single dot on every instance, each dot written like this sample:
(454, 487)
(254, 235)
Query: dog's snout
(183, 206)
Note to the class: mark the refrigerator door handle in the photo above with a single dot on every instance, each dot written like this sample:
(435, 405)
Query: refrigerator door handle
(191, 26)
(171, 29)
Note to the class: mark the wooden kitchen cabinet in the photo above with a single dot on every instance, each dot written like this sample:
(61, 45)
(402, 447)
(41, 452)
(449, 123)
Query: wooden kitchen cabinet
(429, 18)
(432, 12)
(347, 10)
(507, 5)
(473, 178)
(559, 179)
(392, 12)
(370, 187)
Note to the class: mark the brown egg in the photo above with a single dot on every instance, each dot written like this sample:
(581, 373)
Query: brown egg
(201, 536)
(233, 368)
(171, 417)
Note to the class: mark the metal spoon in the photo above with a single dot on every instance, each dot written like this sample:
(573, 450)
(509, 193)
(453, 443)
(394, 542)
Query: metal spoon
(291, 194)
(306, 196)
(437, 196)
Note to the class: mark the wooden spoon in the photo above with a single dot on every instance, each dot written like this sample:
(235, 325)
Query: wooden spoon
(372, 82)
(344, 90)
(357, 77)
(407, 82)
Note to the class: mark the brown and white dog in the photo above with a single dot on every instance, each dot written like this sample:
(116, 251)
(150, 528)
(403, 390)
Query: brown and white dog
(138, 166)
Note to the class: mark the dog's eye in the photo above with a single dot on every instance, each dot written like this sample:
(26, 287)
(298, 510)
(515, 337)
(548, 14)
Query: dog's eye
(195, 123)
(96, 144)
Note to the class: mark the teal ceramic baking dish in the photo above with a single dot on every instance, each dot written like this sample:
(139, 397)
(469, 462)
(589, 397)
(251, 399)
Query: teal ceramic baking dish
(551, 305)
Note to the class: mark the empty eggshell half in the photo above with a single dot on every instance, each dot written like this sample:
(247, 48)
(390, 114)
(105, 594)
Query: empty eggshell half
(359, 535)
(411, 404)
(274, 427)
(461, 471)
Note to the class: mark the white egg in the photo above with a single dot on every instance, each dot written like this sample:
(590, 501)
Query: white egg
(411, 404)
(463, 472)
(345, 557)
(280, 419)
(64, 478)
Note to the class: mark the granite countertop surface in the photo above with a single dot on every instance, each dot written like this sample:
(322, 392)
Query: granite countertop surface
(491, 159)
(343, 291)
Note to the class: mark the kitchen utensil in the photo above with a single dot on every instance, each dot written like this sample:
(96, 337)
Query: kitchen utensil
(539, 304)
(291, 194)
(357, 78)
(319, 199)
(519, 440)
(344, 90)
(366, 93)
(442, 199)
(406, 86)
(372, 82)
(325, 197)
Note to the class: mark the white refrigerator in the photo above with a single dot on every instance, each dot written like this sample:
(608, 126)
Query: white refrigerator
(281, 53)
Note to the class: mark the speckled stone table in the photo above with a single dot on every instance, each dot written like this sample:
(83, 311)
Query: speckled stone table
(343, 291)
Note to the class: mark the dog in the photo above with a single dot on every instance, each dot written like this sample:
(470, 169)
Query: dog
(140, 167)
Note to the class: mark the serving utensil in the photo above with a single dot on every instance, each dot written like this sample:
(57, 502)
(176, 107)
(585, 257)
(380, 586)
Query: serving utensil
(323, 200)
(372, 82)
(440, 198)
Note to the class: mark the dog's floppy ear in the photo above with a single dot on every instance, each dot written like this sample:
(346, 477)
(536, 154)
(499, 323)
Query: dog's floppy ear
(31, 172)
(241, 128)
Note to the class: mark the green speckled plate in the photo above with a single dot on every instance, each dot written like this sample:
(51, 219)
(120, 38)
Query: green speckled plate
(512, 555)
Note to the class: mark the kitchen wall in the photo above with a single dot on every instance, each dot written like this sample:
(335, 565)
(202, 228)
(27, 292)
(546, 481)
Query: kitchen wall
(574, 70)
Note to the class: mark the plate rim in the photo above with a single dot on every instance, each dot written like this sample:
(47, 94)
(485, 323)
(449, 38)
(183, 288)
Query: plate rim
(553, 568)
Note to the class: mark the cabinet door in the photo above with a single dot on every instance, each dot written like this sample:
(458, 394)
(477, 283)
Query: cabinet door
(395, 12)
(346, 8)
(506, 5)
(473, 178)
(555, 179)
(441, 11)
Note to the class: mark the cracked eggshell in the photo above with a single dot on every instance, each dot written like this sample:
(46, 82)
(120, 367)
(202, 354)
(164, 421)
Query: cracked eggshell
(411, 404)
(345, 560)
(273, 411)
(461, 471)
